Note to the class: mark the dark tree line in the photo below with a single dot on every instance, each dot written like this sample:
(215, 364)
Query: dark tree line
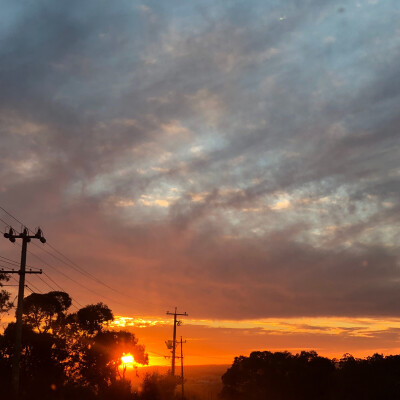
(307, 376)
(72, 355)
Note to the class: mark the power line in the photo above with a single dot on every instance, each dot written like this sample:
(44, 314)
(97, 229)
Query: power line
(4, 222)
(11, 277)
(75, 266)
(52, 280)
(35, 287)
(47, 284)
(9, 261)
(12, 262)
(87, 274)
(52, 288)
(68, 277)
(29, 289)
(12, 216)
(71, 263)
(82, 271)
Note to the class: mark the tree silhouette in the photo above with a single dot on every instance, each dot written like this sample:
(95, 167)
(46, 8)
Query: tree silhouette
(5, 303)
(41, 311)
(283, 376)
(67, 355)
(92, 317)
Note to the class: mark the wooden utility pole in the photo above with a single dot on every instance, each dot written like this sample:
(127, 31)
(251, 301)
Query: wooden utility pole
(182, 378)
(26, 238)
(176, 322)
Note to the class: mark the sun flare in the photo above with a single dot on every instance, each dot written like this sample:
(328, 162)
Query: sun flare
(129, 362)
(127, 359)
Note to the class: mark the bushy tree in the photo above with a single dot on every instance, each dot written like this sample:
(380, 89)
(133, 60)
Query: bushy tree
(42, 311)
(284, 376)
(91, 318)
(279, 375)
(68, 355)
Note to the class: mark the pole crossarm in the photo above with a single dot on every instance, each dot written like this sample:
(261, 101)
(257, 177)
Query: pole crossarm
(175, 313)
(11, 235)
(13, 271)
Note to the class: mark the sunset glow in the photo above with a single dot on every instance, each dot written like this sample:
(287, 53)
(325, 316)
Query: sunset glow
(225, 339)
(238, 161)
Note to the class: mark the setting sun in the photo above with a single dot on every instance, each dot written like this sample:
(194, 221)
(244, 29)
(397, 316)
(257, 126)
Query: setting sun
(129, 362)
(127, 359)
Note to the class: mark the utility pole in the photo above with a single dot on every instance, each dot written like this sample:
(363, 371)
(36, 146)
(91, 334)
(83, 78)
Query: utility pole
(26, 238)
(182, 379)
(174, 337)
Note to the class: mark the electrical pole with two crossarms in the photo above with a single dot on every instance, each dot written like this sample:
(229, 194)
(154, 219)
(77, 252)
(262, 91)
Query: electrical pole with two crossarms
(11, 235)
(176, 322)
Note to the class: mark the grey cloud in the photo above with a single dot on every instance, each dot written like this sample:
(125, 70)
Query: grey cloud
(243, 106)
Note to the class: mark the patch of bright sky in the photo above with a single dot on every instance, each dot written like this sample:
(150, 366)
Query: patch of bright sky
(357, 327)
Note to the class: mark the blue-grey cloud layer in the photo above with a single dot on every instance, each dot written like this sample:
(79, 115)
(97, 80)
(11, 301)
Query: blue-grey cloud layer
(240, 159)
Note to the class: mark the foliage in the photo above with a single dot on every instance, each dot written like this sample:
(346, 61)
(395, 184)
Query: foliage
(5, 303)
(68, 355)
(92, 317)
(41, 311)
(278, 375)
(283, 376)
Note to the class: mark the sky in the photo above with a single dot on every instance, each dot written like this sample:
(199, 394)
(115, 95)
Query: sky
(237, 160)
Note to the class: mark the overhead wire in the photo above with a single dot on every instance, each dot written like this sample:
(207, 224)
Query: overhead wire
(4, 222)
(16, 263)
(12, 262)
(34, 286)
(70, 263)
(77, 268)
(12, 216)
(26, 285)
(72, 279)
(30, 289)
(55, 290)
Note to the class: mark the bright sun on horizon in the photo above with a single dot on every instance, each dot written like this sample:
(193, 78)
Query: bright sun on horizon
(128, 361)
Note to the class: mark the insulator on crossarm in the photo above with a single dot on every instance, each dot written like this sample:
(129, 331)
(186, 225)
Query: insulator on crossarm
(39, 235)
(9, 234)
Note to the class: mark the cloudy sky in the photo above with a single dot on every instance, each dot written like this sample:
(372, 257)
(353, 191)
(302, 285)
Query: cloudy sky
(239, 160)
